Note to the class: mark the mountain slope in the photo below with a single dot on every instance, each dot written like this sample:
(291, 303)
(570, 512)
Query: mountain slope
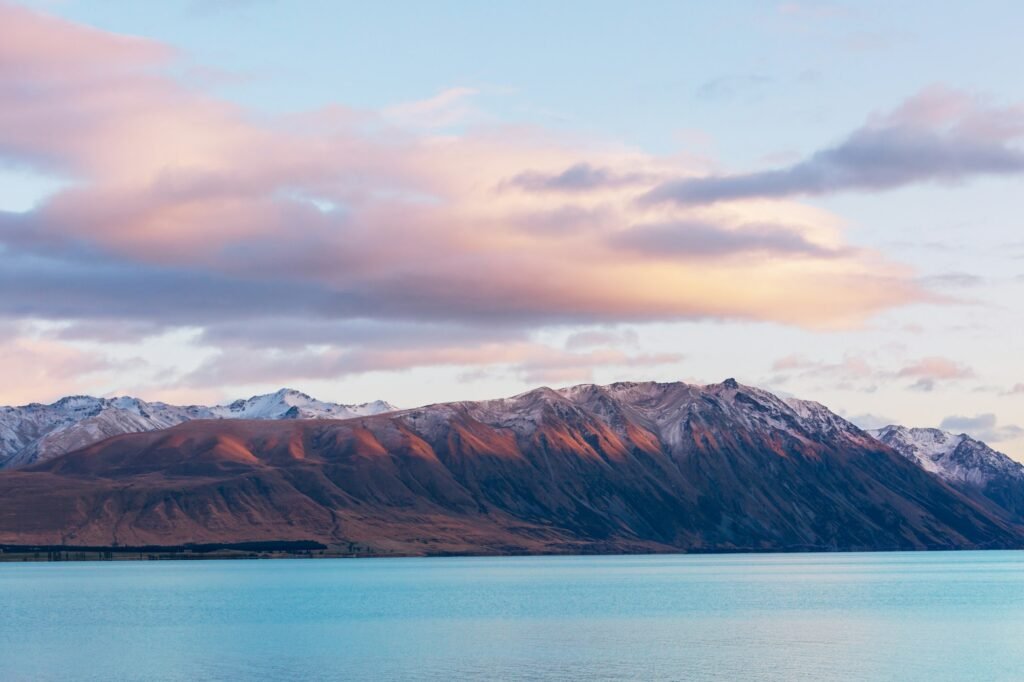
(37, 432)
(627, 467)
(967, 464)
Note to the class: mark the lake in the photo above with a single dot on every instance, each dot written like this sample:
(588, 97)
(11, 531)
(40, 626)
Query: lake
(886, 616)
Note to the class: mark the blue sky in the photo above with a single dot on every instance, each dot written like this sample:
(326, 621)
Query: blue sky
(759, 78)
(626, 91)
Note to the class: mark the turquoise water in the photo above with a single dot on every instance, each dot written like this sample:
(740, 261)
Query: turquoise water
(902, 616)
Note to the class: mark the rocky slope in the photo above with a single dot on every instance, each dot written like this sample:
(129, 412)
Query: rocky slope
(967, 464)
(620, 468)
(36, 432)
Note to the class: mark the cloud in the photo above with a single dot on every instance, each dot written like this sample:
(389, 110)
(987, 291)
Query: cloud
(984, 427)
(108, 331)
(924, 384)
(697, 239)
(41, 369)
(853, 372)
(930, 371)
(953, 279)
(188, 209)
(579, 177)
(531, 361)
(552, 368)
(869, 422)
(323, 232)
(450, 107)
(601, 337)
(860, 372)
(1018, 389)
(938, 135)
(298, 332)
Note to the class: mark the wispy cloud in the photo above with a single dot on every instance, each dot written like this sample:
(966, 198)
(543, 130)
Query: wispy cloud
(928, 372)
(38, 368)
(592, 338)
(957, 280)
(532, 362)
(863, 373)
(870, 421)
(450, 107)
(984, 427)
(580, 177)
(938, 135)
(701, 240)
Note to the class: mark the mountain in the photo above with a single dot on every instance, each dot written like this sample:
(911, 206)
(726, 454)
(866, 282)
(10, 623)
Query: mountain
(291, 404)
(630, 467)
(36, 432)
(967, 464)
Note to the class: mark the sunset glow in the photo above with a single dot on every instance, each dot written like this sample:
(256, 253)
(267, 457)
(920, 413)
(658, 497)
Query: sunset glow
(167, 232)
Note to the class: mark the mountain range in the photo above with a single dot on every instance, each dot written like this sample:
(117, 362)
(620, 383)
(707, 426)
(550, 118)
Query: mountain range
(629, 467)
(36, 432)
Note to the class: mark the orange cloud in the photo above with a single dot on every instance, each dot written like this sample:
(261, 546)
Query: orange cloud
(189, 210)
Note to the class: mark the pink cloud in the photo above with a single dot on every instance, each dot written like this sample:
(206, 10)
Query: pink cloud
(39, 369)
(187, 210)
(531, 361)
(936, 136)
(866, 373)
(937, 368)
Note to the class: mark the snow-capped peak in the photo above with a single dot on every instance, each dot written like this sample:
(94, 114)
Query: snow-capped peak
(371, 408)
(954, 457)
(287, 403)
(33, 432)
(665, 409)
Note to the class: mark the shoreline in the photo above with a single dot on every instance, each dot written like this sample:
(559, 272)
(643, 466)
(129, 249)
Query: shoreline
(302, 549)
(10, 553)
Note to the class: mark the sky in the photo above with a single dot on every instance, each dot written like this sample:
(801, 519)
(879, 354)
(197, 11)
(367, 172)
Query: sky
(422, 202)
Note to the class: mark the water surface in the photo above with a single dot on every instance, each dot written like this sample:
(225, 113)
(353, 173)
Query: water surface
(892, 616)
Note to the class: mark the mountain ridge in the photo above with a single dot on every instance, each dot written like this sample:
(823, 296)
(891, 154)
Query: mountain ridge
(633, 466)
(37, 431)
